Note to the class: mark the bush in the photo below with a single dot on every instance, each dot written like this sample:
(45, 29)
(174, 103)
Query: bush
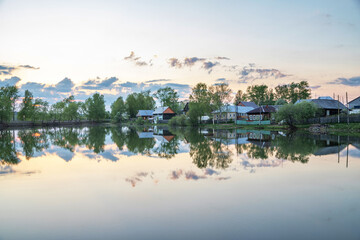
(293, 114)
(179, 120)
(140, 121)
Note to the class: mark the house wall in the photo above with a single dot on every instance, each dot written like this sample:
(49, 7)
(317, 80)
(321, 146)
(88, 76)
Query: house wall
(224, 116)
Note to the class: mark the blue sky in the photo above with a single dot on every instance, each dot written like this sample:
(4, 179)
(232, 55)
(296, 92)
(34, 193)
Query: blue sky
(142, 45)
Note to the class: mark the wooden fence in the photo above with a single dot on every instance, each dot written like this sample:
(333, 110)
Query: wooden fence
(333, 119)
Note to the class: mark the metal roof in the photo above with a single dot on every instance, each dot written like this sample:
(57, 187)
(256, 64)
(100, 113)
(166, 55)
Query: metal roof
(160, 110)
(233, 108)
(249, 104)
(263, 109)
(142, 113)
(325, 103)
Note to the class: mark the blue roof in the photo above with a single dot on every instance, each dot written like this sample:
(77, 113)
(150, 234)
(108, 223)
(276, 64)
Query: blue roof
(142, 113)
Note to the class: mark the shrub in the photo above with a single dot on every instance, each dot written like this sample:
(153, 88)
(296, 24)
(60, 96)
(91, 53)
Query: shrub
(293, 114)
(140, 121)
(179, 120)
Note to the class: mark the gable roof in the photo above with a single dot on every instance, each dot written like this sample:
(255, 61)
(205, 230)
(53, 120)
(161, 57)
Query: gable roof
(161, 110)
(248, 104)
(325, 103)
(263, 109)
(354, 99)
(143, 113)
(233, 108)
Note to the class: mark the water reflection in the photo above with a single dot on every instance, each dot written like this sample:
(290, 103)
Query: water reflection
(208, 148)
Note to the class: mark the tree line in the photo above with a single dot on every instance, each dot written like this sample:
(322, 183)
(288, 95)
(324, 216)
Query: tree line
(202, 101)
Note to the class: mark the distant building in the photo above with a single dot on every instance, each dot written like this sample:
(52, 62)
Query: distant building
(231, 112)
(163, 114)
(186, 108)
(145, 114)
(355, 103)
(262, 113)
(328, 105)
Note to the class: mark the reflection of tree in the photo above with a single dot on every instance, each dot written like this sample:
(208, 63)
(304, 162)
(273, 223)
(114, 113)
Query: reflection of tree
(95, 139)
(119, 137)
(168, 149)
(257, 152)
(206, 153)
(7, 151)
(139, 145)
(66, 138)
(33, 141)
(294, 148)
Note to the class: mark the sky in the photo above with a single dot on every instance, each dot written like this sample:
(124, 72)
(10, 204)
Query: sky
(59, 48)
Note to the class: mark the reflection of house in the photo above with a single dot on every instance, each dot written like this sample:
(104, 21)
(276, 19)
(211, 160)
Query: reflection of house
(145, 114)
(231, 112)
(327, 105)
(329, 150)
(262, 113)
(163, 114)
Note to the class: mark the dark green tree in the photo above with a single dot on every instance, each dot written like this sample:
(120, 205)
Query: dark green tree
(96, 107)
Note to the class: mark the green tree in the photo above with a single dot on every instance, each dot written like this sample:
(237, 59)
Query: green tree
(220, 96)
(239, 97)
(27, 107)
(260, 94)
(293, 91)
(168, 97)
(139, 101)
(96, 107)
(200, 103)
(41, 109)
(118, 108)
(293, 114)
(5, 106)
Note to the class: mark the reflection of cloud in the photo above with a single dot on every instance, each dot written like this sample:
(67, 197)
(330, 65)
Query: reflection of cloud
(137, 178)
(190, 175)
(209, 171)
(176, 174)
(222, 178)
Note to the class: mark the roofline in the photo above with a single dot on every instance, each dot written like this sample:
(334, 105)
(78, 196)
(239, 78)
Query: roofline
(354, 99)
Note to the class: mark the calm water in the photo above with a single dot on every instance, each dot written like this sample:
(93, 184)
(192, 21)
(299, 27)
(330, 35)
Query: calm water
(120, 183)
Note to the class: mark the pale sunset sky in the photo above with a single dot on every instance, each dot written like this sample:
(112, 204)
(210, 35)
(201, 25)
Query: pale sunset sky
(58, 48)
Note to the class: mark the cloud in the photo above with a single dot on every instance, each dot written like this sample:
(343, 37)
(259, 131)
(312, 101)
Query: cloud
(157, 80)
(9, 81)
(315, 87)
(251, 73)
(209, 66)
(174, 62)
(98, 84)
(7, 70)
(133, 58)
(222, 58)
(189, 62)
(190, 175)
(64, 86)
(354, 81)
(29, 67)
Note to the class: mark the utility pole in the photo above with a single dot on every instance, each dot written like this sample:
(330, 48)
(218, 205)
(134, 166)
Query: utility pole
(338, 110)
(347, 106)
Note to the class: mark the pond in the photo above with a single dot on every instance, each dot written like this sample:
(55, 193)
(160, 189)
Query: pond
(160, 183)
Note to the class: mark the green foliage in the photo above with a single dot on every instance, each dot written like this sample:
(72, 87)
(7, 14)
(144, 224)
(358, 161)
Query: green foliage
(179, 120)
(292, 114)
(27, 107)
(239, 97)
(196, 111)
(139, 101)
(96, 107)
(139, 121)
(118, 109)
(280, 102)
(260, 94)
(168, 97)
(41, 109)
(293, 91)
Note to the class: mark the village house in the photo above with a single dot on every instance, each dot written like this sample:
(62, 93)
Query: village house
(163, 114)
(327, 105)
(262, 113)
(231, 113)
(145, 114)
(354, 105)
